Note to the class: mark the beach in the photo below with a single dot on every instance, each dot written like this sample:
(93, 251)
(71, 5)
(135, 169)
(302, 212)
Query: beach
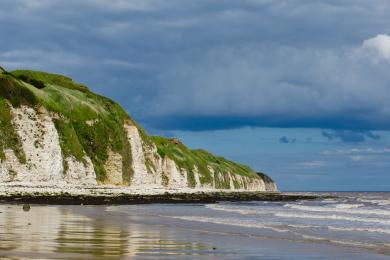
(349, 226)
(110, 194)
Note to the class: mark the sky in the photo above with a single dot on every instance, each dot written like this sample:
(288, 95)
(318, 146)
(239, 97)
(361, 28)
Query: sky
(297, 89)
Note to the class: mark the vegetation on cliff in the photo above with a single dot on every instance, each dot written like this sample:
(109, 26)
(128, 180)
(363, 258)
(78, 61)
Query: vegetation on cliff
(209, 166)
(92, 125)
(85, 121)
(9, 139)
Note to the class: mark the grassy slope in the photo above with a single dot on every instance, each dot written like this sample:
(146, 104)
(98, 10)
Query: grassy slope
(187, 159)
(7, 130)
(76, 104)
(12, 92)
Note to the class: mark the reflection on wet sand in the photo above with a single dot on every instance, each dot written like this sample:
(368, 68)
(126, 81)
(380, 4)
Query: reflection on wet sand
(48, 232)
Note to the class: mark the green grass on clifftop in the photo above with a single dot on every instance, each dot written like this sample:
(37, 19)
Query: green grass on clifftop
(203, 160)
(49, 78)
(91, 124)
(85, 121)
(8, 137)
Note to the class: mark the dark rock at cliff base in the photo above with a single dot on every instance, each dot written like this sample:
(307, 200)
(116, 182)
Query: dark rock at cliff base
(26, 207)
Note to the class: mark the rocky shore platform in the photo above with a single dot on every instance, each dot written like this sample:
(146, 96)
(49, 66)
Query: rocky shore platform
(112, 196)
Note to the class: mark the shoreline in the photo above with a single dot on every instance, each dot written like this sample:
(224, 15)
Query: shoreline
(157, 232)
(122, 196)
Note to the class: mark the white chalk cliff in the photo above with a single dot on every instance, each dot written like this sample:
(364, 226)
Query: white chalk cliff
(41, 152)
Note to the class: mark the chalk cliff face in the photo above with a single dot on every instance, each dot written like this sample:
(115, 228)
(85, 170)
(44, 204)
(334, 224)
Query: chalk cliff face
(54, 131)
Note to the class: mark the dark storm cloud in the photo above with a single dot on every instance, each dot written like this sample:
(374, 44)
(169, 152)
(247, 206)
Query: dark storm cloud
(212, 64)
(286, 140)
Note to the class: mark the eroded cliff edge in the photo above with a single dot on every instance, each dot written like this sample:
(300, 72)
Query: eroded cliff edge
(56, 132)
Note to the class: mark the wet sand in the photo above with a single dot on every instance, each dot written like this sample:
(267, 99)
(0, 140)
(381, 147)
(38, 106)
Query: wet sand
(93, 232)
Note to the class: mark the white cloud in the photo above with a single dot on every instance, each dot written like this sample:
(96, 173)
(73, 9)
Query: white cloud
(357, 158)
(378, 45)
(311, 165)
(354, 151)
(114, 5)
(32, 5)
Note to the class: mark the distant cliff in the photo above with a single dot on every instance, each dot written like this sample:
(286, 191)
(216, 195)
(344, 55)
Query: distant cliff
(55, 131)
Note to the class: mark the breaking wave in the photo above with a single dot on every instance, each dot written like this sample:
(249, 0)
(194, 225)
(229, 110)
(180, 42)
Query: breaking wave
(332, 217)
(341, 208)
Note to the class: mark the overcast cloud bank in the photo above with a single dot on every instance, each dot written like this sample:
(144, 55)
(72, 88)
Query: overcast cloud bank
(215, 64)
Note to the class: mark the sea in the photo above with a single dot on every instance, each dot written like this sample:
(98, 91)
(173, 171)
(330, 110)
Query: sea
(352, 225)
